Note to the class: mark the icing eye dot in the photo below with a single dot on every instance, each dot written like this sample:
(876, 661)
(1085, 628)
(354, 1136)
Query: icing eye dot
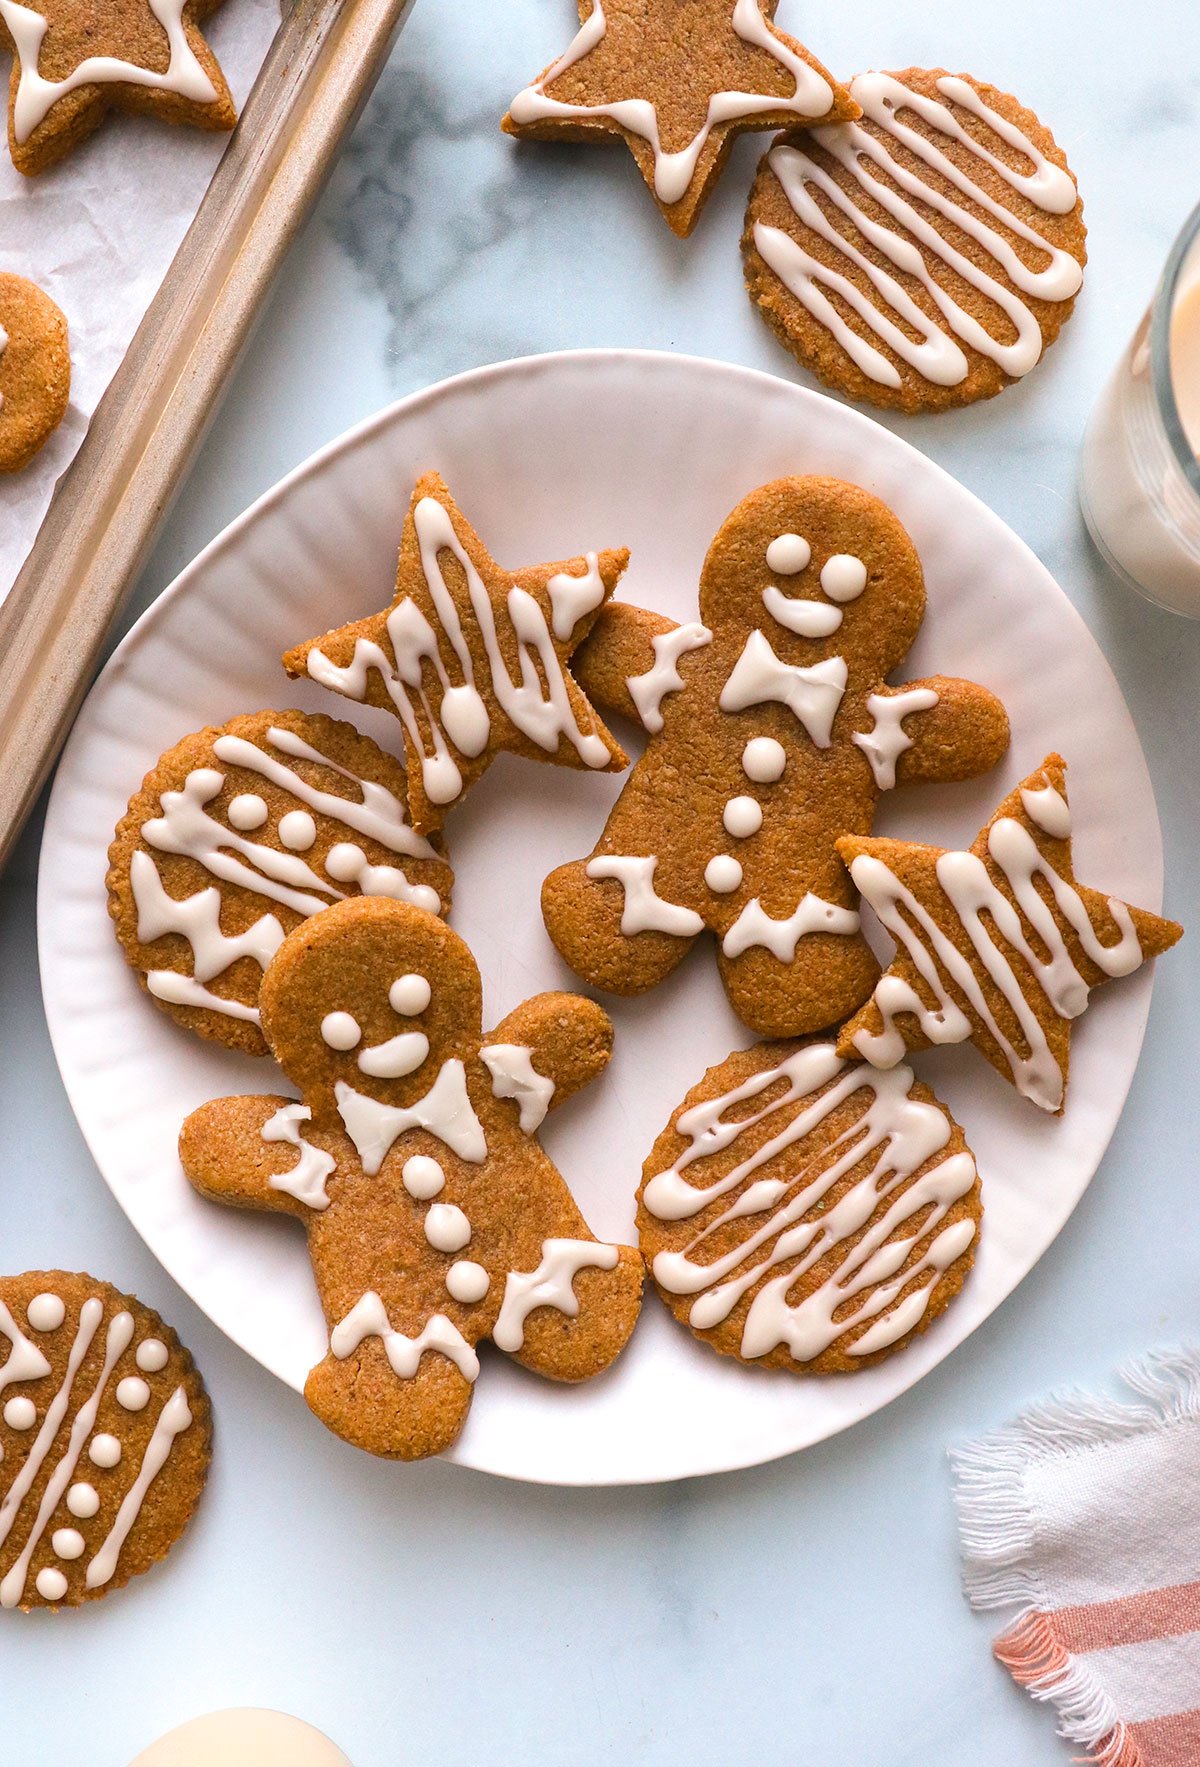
(722, 874)
(447, 1228)
(152, 1355)
(67, 1542)
(467, 1282)
(340, 1030)
(50, 1584)
(297, 830)
(104, 1451)
(247, 810)
(132, 1393)
(787, 554)
(422, 1177)
(763, 760)
(409, 995)
(46, 1312)
(83, 1500)
(843, 578)
(345, 861)
(20, 1413)
(742, 817)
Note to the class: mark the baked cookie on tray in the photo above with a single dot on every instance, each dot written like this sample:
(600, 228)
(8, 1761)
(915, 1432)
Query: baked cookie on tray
(434, 1218)
(804, 1211)
(35, 370)
(470, 658)
(772, 732)
(105, 1439)
(923, 256)
(677, 80)
(239, 833)
(998, 946)
(75, 60)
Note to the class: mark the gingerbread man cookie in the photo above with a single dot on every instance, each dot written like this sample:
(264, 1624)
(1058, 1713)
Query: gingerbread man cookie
(75, 60)
(802, 1211)
(472, 659)
(434, 1218)
(35, 371)
(998, 946)
(677, 80)
(924, 256)
(105, 1439)
(772, 733)
(237, 834)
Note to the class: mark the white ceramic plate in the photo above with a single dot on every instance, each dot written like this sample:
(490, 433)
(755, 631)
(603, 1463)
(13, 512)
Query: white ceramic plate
(550, 456)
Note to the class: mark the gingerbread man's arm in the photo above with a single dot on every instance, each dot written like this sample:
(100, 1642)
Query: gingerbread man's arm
(257, 1153)
(547, 1049)
(959, 737)
(620, 650)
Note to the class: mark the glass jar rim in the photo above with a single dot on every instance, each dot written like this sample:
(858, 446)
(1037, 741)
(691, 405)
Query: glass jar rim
(1160, 349)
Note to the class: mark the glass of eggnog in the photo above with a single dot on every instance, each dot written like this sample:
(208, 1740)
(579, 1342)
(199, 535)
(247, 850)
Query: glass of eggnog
(1139, 481)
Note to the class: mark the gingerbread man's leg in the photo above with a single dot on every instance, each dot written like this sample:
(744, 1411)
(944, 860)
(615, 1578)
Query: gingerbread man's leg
(400, 1390)
(781, 995)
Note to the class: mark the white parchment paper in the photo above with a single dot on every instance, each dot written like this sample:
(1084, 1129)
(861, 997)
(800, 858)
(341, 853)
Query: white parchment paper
(98, 233)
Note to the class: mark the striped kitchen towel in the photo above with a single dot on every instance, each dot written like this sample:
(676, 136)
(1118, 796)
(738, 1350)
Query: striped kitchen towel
(1084, 1514)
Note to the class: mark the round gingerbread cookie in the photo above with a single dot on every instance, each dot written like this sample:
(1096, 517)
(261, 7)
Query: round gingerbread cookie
(804, 1212)
(922, 257)
(35, 370)
(105, 1439)
(241, 832)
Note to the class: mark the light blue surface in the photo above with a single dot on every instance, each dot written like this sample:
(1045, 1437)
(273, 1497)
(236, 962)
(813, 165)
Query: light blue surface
(805, 1612)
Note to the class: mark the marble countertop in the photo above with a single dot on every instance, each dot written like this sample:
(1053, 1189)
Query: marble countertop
(808, 1610)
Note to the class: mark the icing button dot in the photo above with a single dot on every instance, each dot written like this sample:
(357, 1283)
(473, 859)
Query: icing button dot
(20, 1413)
(742, 817)
(67, 1542)
(447, 1228)
(787, 554)
(422, 1177)
(51, 1585)
(843, 578)
(46, 1312)
(467, 1281)
(722, 874)
(345, 861)
(340, 1030)
(132, 1393)
(152, 1355)
(247, 811)
(298, 831)
(763, 760)
(104, 1451)
(83, 1500)
(409, 995)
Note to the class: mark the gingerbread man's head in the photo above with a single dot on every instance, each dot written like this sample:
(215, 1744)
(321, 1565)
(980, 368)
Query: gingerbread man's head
(822, 569)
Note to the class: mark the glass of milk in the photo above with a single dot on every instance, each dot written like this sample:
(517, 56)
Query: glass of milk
(1139, 481)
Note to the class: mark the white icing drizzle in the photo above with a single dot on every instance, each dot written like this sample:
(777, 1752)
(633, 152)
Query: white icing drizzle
(3, 347)
(24, 1360)
(400, 1055)
(118, 1338)
(937, 357)
(173, 1419)
(754, 926)
(368, 1318)
(538, 705)
(307, 1178)
(648, 690)
(514, 1076)
(887, 738)
(644, 911)
(573, 598)
(198, 919)
(446, 1227)
(36, 96)
(1048, 808)
(550, 1285)
(813, 694)
(445, 1111)
(896, 1134)
(997, 920)
(673, 172)
(808, 619)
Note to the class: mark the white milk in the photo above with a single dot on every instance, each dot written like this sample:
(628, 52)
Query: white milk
(243, 1738)
(1143, 511)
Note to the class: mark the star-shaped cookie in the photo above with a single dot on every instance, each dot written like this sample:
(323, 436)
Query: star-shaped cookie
(472, 659)
(75, 60)
(999, 946)
(677, 79)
